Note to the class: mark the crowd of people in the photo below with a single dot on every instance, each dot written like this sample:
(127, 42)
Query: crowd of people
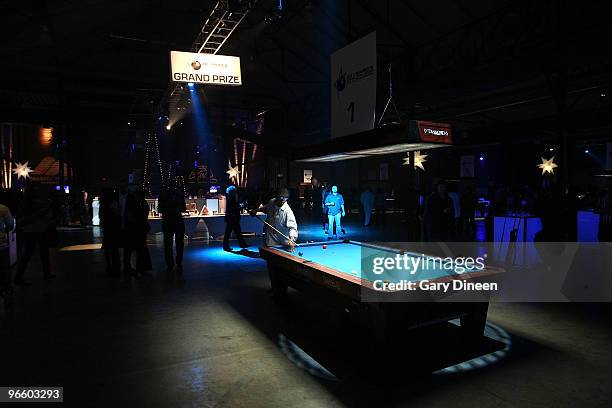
(443, 215)
(124, 221)
(446, 214)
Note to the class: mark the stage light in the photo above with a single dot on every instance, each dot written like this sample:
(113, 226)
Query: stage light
(603, 94)
(129, 123)
(552, 149)
(168, 126)
(481, 158)
(586, 151)
(190, 84)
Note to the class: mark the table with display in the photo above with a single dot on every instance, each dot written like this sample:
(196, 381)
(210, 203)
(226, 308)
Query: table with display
(332, 271)
(213, 224)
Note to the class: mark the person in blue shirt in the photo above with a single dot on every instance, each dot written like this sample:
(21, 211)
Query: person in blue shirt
(335, 211)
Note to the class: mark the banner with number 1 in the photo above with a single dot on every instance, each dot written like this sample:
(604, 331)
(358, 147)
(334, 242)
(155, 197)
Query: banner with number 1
(353, 87)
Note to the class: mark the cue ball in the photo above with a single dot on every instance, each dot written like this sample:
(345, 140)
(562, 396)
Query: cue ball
(324, 247)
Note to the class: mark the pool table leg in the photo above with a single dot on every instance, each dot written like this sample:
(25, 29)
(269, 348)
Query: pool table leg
(473, 324)
(279, 286)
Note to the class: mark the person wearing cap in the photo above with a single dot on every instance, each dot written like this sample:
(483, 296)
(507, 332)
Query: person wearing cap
(281, 217)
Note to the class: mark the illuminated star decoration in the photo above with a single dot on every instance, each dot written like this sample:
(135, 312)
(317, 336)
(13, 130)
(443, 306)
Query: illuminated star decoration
(22, 170)
(548, 166)
(233, 172)
(419, 159)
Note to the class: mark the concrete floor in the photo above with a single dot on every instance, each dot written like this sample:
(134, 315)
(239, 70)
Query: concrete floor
(212, 337)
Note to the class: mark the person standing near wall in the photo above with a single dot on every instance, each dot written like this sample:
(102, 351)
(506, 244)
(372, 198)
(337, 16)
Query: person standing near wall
(367, 202)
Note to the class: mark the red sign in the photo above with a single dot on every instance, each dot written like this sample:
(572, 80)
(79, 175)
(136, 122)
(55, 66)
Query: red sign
(435, 132)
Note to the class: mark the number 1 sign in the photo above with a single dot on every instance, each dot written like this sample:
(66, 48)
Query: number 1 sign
(353, 87)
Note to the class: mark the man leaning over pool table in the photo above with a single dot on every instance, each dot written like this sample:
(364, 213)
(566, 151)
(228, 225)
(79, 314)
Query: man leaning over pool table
(281, 217)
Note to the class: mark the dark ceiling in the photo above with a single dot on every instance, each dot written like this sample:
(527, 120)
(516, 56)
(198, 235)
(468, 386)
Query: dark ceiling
(480, 65)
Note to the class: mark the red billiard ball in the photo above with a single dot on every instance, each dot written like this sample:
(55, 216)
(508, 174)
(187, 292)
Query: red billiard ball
(324, 246)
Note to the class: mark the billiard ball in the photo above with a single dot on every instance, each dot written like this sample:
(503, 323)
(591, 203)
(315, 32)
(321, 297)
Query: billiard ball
(324, 246)
(299, 253)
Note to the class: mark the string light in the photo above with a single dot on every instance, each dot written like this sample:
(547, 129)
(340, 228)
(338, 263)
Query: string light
(151, 139)
(145, 187)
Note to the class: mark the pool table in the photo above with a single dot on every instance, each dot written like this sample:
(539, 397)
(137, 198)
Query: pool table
(335, 275)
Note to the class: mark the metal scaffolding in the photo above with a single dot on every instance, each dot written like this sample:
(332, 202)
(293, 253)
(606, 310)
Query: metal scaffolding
(217, 29)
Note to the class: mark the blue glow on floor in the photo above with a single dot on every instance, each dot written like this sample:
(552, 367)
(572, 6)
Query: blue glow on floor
(216, 253)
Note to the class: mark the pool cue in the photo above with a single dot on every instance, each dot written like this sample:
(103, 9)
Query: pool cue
(269, 225)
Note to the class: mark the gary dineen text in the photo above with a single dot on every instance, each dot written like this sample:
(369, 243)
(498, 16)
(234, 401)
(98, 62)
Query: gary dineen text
(420, 265)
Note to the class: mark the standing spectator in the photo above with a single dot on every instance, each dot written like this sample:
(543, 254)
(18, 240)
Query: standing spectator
(468, 209)
(7, 223)
(439, 214)
(317, 192)
(604, 209)
(36, 227)
(232, 219)
(141, 229)
(335, 211)
(83, 209)
(379, 203)
(455, 222)
(413, 212)
(367, 202)
(171, 206)
(308, 190)
(110, 221)
(134, 227)
(324, 192)
(124, 200)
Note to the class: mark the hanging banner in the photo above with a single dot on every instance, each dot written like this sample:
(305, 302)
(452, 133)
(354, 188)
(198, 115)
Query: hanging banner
(307, 176)
(466, 169)
(205, 68)
(353, 87)
(383, 171)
